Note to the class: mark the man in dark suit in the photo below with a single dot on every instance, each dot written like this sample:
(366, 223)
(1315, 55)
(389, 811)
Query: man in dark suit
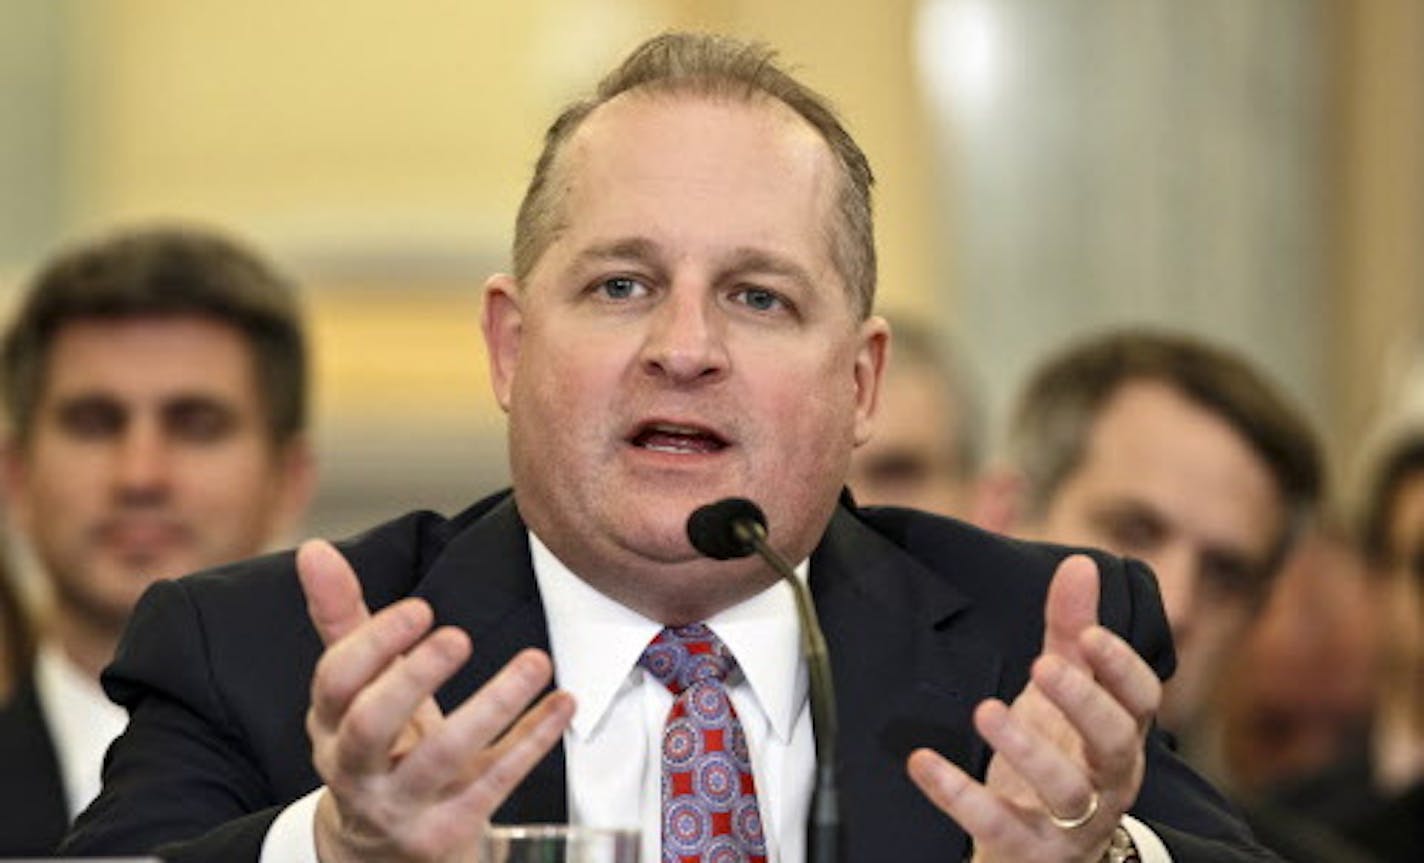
(155, 383)
(689, 318)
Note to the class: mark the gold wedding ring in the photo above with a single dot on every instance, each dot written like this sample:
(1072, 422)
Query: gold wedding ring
(1074, 823)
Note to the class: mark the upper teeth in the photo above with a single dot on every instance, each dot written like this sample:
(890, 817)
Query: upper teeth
(672, 429)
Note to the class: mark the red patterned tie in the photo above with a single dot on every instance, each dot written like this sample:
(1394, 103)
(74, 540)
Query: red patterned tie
(710, 812)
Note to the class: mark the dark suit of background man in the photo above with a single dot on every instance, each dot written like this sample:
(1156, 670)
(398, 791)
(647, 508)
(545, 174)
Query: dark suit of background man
(689, 317)
(155, 382)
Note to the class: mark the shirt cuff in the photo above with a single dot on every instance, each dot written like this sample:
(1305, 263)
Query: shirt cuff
(1149, 845)
(292, 837)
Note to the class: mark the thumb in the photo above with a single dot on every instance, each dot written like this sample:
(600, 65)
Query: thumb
(1072, 606)
(333, 593)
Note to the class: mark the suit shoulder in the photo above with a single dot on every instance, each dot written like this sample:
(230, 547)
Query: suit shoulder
(231, 613)
(981, 564)
(941, 542)
(387, 558)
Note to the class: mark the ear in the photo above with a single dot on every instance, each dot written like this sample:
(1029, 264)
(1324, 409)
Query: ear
(503, 324)
(297, 472)
(999, 500)
(16, 482)
(870, 359)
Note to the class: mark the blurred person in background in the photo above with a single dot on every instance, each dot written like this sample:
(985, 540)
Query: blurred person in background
(1393, 535)
(1377, 797)
(925, 452)
(1161, 447)
(155, 382)
(1300, 694)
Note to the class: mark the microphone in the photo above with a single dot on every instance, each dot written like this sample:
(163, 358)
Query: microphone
(735, 527)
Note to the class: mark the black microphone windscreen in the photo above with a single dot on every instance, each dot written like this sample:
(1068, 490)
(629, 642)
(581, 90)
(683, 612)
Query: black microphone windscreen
(711, 527)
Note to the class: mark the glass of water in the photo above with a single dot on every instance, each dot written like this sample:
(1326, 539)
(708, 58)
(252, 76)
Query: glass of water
(558, 843)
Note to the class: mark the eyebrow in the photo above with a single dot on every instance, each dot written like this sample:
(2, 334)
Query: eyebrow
(741, 259)
(639, 248)
(746, 259)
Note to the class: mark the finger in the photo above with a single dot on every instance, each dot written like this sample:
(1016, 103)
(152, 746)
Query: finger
(456, 753)
(1072, 606)
(507, 763)
(381, 711)
(1124, 673)
(1057, 779)
(991, 820)
(332, 591)
(1111, 741)
(354, 661)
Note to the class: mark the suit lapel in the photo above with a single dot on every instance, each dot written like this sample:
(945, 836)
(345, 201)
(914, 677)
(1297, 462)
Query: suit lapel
(483, 582)
(907, 675)
(34, 810)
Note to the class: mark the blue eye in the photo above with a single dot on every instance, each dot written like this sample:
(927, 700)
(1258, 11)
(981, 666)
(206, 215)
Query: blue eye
(760, 299)
(620, 288)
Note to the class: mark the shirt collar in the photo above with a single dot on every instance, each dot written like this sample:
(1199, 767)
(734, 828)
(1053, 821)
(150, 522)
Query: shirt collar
(596, 643)
(81, 721)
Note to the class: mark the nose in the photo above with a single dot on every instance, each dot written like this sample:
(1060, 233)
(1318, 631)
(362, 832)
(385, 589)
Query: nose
(142, 464)
(686, 340)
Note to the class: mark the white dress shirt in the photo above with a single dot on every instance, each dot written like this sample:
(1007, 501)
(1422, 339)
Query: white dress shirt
(613, 747)
(82, 723)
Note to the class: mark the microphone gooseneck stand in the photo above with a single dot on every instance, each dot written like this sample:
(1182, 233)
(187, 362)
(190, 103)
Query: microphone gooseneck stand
(736, 527)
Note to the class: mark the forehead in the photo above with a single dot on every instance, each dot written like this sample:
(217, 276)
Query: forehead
(149, 357)
(1152, 444)
(698, 171)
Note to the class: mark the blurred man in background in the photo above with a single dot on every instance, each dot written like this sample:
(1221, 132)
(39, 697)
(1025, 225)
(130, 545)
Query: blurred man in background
(1377, 797)
(156, 388)
(1393, 537)
(1160, 447)
(1300, 694)
(925, 453)
(1164, 448)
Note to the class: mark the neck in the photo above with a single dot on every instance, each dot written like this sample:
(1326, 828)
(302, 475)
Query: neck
(87, 644)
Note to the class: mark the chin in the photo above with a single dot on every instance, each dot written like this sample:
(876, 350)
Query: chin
(659, 540)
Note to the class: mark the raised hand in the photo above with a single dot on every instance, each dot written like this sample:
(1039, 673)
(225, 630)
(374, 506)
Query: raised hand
(1069, 753)
(403, 781)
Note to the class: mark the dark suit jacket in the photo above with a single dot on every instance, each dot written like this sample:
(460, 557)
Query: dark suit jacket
(924, 617)
(33, 810)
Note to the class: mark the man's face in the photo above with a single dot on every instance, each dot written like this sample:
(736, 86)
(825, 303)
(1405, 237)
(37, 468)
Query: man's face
(685, 337)
(149, 458)
(912, 459)
(1167, 481)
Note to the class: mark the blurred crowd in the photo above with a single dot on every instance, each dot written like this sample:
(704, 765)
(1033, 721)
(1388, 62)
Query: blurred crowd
(143, 365)
(1296, 609)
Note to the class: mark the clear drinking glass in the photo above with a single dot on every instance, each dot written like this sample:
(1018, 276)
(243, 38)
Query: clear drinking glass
(558, 843)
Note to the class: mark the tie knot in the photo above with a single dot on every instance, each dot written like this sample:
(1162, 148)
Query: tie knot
(681, 656)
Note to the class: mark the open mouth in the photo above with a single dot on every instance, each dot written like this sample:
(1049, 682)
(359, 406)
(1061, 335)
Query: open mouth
(677, 439)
